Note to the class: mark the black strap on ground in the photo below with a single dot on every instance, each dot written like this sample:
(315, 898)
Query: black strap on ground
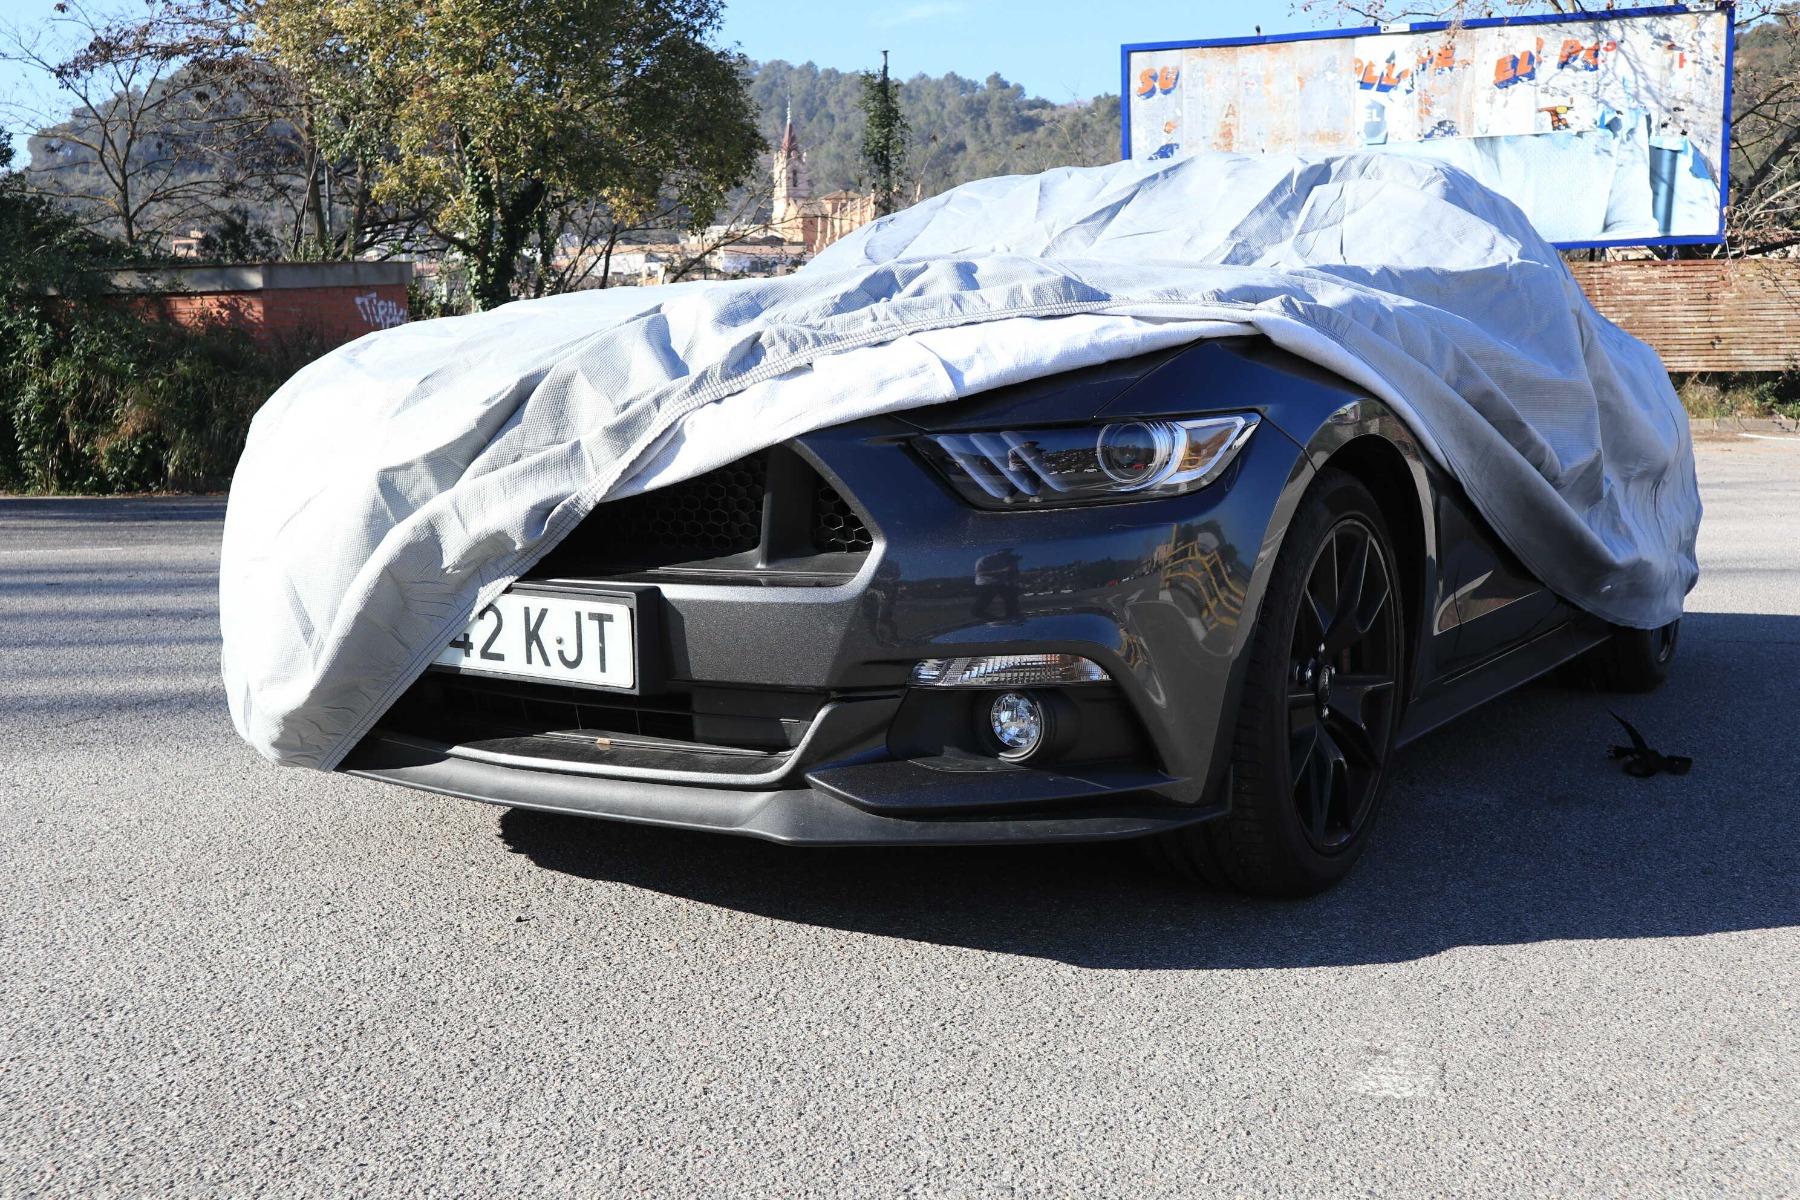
(1640, 759)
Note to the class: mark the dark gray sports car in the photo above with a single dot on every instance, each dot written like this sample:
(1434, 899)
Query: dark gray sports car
(1197, 597)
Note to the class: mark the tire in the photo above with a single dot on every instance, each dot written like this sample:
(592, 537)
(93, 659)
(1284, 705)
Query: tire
(1631, 660)
(1315, 729)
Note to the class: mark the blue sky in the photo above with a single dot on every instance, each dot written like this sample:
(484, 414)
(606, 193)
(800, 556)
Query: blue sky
(1060, 49)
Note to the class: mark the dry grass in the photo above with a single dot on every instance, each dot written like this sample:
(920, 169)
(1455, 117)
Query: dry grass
(1744, 395)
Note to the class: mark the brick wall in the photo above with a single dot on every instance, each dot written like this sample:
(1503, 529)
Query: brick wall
(1699, 314)
(333, 302)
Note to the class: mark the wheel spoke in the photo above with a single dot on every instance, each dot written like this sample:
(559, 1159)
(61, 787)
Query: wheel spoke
(1303, 738)
(1376, 592)
(1350, 692)
(1331, 771)
(1317, 809)
(1313, 620)
(1346, 613)
(1350, 736)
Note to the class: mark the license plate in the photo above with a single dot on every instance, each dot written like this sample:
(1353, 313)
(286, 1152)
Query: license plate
(590, 641)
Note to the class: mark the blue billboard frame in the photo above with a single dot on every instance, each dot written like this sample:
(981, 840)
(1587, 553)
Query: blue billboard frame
(1728, 7)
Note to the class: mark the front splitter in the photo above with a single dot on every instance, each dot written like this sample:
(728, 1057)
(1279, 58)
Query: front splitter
(796, 816)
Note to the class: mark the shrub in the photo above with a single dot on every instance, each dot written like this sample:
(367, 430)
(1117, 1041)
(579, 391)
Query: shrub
(1751, 394)
(99, 397)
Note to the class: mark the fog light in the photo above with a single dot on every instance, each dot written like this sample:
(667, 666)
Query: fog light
(1029, 727)
(1018, 723)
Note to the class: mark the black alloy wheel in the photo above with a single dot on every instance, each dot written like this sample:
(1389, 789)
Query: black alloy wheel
(1343, 680)
(1321, 705)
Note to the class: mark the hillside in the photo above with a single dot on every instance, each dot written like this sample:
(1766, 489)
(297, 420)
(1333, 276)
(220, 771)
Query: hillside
(962, 129)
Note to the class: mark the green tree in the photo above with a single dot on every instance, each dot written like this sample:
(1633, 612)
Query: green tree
(492, 112)
(885, 131)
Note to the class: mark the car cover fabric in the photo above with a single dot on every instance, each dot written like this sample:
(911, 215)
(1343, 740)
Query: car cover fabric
(393, 487)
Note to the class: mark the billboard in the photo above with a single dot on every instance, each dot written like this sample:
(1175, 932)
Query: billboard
(1607, 129)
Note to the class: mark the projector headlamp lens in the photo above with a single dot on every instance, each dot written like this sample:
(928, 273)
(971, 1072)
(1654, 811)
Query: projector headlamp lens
(1133, 454)
(1141, 460)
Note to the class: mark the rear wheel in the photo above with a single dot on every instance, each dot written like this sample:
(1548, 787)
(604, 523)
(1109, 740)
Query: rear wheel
(1632, 660)
(1320, 708)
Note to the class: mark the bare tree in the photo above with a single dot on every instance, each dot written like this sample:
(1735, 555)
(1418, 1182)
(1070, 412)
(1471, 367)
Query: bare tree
(1389, 12)
(1386, 12)
(1764, 214)
(128, 157)
(176, 116)
(744, 222)
(277, 145)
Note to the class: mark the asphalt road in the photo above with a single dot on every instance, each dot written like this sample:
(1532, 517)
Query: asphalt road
(218, 977)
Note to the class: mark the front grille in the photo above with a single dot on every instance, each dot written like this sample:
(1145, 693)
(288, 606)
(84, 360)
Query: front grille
(696, 524)
(710, 515)
(836, 528)
(438, 705)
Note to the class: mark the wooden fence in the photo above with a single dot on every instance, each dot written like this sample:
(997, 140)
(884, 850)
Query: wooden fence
(1704, 314)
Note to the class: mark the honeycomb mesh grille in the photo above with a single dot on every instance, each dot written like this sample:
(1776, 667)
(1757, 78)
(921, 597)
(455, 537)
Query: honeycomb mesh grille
(717, 513)
(836, 527)
(713, 516)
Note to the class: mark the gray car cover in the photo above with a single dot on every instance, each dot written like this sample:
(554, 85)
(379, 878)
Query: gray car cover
(395, 486)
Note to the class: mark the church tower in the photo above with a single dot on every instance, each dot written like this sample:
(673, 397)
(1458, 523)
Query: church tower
(790, 174)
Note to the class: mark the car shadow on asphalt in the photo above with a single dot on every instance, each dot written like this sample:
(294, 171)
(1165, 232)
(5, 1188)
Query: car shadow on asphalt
(1508, 827)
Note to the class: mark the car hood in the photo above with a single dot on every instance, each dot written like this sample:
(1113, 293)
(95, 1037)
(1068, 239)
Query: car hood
(1057, 399)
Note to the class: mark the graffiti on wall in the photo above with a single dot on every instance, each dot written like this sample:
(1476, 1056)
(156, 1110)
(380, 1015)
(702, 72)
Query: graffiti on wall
(1601, 129)
(379, 313)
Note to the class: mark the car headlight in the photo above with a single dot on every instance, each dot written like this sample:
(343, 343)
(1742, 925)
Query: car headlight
(1127, 460)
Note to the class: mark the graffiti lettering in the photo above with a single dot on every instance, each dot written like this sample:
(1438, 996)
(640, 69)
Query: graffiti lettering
(1441, 61)
(1378, 77)
(1522, 67)
(378, 313)
(1152, 80)
(1582, 57)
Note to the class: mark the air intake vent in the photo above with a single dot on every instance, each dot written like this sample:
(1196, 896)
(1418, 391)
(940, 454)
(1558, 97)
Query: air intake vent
(763, 519)
(708, 516)
(836, 527)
